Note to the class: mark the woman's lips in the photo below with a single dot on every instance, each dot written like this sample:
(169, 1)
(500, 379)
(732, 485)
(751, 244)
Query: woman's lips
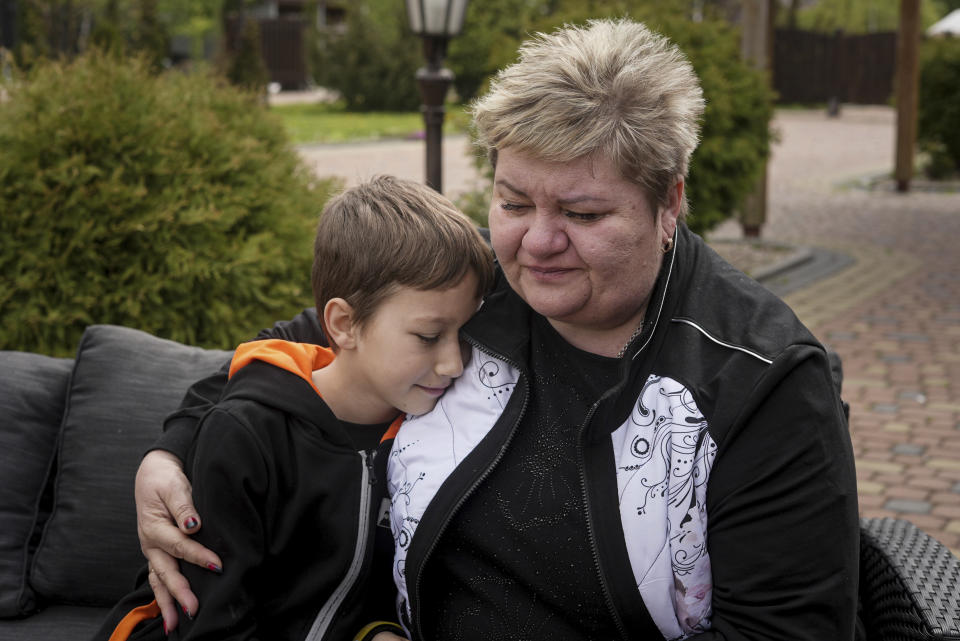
(547, 274)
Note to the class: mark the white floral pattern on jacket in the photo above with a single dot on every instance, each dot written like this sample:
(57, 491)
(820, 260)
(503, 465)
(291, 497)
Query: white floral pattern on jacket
(664, 454)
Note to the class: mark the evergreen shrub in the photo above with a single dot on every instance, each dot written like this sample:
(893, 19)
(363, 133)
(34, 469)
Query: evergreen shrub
(245, 67)
(492, 32)
(373, 62)
(169, 203)
(736, 135)
(938, 123)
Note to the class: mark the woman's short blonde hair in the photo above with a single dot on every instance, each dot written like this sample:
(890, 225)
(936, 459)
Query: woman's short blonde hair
(391, 232)
(611, 87)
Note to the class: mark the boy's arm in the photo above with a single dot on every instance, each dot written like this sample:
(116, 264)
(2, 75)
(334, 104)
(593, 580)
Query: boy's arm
(165, 510)
(231, 482)
(180, 426)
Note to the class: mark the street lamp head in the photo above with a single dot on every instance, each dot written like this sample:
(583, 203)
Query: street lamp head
(436, 18)
(436, 21)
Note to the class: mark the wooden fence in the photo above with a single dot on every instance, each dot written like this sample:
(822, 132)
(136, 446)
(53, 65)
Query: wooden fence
(810, 67)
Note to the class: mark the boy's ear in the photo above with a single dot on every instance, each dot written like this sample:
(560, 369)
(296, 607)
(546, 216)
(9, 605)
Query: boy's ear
(338, 319)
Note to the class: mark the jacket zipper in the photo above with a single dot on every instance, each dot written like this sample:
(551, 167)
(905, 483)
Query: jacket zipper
(591, 531)
(332, 605)
(476, 483)
(581, 463)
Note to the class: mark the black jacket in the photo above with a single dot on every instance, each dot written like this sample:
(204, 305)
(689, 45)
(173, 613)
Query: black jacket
(718, 474)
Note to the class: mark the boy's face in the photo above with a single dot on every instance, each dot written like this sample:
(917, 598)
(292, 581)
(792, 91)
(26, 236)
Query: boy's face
(409, 351)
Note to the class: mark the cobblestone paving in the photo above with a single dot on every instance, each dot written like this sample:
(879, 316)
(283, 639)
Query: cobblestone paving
(893, 315)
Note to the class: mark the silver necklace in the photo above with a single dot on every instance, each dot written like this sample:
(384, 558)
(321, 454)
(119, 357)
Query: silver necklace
(635, 333)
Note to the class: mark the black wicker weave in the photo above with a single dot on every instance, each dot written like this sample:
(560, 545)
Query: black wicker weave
(909, 583)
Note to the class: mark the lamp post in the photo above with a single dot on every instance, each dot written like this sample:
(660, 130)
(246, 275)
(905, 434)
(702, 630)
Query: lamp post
(436, 21)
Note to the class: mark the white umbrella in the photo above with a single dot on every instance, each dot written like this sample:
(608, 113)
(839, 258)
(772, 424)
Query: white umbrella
(950, 24)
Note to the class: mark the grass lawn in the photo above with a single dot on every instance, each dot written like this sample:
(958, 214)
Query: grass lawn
(326, 123)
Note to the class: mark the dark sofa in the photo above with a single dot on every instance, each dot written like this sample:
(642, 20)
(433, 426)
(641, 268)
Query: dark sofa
(72, 432)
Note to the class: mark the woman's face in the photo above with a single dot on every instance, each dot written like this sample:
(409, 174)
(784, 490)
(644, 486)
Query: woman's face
(579, 243)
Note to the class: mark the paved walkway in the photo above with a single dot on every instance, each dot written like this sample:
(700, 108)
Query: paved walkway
(893, 315)
(356, 162)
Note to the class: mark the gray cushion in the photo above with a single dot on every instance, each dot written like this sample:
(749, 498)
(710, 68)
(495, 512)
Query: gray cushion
(32, 393)
(56, 623)
(124, 383)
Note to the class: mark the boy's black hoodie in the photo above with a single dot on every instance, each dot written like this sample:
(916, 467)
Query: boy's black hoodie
(291, 502)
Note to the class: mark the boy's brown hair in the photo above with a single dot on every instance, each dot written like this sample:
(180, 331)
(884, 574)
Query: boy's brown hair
(388, 233)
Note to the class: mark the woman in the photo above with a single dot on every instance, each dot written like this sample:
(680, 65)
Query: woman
(647, 443)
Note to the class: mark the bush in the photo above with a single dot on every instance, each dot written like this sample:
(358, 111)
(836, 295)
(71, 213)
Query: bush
(938, 123)
(245, 67)
(168, 203)
(736, 137)
(373, 62)
(492, 32)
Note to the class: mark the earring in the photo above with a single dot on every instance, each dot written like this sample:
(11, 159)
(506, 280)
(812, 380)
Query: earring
(667, 246)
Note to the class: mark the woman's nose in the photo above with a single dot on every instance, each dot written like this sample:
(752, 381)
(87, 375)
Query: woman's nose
(544, 236)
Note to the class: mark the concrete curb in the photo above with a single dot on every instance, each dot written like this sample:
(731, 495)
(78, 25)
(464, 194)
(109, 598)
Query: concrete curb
(805, 267)
(800, 267)
(799, 256)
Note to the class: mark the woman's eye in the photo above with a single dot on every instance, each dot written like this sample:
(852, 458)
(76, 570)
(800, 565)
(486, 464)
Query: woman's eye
(427, 339)
(510, 206)
(581, 217)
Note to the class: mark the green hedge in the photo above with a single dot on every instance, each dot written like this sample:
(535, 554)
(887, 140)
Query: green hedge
(169, 203)
(938, 127)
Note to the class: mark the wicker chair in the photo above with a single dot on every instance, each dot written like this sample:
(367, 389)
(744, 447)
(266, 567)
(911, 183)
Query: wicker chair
(909, 584)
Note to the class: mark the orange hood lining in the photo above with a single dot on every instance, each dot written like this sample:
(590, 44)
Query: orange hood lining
(299, 359)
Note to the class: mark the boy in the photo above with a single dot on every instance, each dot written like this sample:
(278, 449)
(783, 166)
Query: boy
(288, 462)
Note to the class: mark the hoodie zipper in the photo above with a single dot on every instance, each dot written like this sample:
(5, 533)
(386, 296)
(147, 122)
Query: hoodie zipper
(332, 605)
(456, 508)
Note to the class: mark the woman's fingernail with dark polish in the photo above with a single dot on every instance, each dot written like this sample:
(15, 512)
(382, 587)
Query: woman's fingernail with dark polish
(190, 523)
(187, 612)
(214, 567)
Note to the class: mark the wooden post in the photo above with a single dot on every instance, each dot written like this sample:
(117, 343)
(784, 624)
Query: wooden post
(756, 47)
(907, 81)
(837, 90)
(8, 24)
